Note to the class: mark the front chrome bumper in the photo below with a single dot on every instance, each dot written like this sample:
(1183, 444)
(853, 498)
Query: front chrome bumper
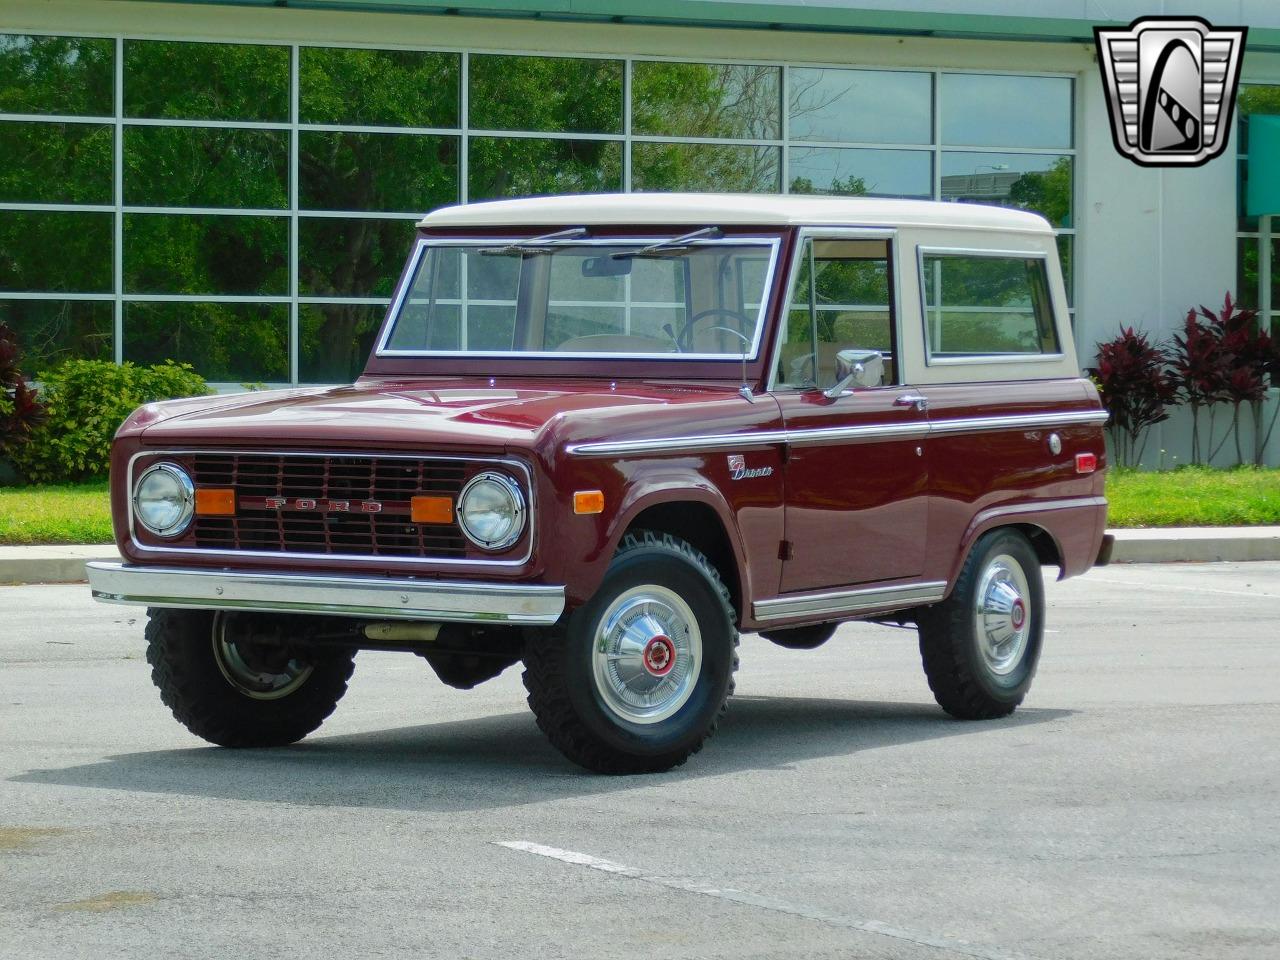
(438, 600)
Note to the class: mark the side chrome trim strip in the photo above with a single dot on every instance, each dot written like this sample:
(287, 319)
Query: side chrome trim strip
(849, 601)
(516, 465)
(450, 601)
(872, 431)
(1018, 421)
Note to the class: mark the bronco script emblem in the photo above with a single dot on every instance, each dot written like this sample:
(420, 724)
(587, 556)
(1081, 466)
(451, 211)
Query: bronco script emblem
(738, 469)
(325, 506)
(1171, 88)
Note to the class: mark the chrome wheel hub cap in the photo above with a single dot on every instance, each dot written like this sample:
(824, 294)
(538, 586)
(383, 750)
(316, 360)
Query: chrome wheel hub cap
(648, 654)
(1002, 619)
(259, 671)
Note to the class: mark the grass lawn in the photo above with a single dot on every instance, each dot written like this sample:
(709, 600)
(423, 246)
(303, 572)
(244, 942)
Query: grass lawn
(76, 513)
(1187, 497)
(1194, 497)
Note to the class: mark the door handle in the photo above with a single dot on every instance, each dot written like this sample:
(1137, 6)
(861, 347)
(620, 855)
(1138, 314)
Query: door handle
(912, 400)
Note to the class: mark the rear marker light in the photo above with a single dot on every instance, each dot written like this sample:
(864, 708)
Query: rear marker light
(1086, 462)
(212, 502)
(588, 501)
(431, 509)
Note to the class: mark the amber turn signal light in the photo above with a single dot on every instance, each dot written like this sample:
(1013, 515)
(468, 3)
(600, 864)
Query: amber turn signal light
(431, 510)
(212, 502)
(588, 501)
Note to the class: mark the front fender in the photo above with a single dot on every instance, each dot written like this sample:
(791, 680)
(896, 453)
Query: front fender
(637, 486)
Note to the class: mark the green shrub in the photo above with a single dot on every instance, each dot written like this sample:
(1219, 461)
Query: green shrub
(86, 401)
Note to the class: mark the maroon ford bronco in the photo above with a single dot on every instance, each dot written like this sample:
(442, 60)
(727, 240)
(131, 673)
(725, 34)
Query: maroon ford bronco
(603, 436)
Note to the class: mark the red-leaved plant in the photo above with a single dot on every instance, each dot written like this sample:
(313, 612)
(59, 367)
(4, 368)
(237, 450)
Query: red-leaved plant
(1136, 390)
(1202, 368)
(1219, 358)
(20, 410)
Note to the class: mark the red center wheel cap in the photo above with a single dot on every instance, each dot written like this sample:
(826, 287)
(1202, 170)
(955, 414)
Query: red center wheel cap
(1018, 615)
(659, 655)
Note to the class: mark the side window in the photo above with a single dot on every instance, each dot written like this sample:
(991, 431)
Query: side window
(841, 299)
(986, 306)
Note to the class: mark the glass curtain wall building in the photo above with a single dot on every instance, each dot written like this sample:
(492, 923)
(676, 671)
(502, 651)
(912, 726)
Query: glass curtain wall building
(246, 207)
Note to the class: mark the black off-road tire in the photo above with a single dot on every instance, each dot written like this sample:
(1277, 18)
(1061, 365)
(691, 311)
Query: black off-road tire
(961, 680)
(558, 666)
(185, 669)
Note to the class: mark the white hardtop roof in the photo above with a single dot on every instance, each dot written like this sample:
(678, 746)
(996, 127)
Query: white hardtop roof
(730, 209)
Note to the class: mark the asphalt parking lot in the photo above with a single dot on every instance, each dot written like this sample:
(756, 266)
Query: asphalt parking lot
(1129, 810)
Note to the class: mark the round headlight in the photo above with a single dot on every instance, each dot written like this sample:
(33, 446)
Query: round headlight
(164, 499)
(491, 511)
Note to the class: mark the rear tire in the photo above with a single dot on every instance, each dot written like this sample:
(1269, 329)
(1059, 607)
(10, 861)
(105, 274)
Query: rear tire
(981, 645)
(636, 679)
(236, 693)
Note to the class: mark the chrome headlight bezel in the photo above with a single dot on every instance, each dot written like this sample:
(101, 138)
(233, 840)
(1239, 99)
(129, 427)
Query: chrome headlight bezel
(186, 489)
(519, 513)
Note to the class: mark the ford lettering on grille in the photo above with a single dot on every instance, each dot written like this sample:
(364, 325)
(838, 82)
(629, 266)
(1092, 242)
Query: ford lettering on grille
(324, 506)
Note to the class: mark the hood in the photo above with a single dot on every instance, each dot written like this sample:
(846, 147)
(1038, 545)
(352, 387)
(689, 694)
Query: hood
(436, 414)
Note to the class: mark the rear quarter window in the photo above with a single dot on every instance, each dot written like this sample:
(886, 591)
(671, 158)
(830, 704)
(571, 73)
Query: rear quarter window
(984, 306)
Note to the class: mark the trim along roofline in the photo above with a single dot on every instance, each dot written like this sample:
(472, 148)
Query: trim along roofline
(743, 14)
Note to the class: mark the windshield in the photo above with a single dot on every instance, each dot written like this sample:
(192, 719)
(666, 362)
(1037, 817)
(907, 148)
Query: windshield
(698, 300)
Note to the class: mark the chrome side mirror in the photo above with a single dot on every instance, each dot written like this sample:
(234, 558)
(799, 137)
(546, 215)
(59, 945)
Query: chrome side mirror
(856, 368)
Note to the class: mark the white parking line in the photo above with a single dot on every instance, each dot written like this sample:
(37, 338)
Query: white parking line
(962, 947)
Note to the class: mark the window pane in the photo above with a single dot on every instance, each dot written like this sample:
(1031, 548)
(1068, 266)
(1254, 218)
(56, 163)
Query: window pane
(206, 167)
(55, 163)
(341, 257)
(50, 331)
(987, 305)
(992, 111)
(1244, 222)
(377, 171)
(872, 173)
(1254, 98)
(225, 342)
(74, 76)
(705, 167)
(871, 106)
(1033, 182)
(852, 311)
(1066, 256)
(206, 81)
(41, 252)
(522, 167)
(1247, 272)
(546, 93)
(376, 88)
(206, 254)
(336, 340)
(706, 100)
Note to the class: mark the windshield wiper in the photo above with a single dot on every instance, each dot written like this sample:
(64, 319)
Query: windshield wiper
(532, 245)
(672, 245)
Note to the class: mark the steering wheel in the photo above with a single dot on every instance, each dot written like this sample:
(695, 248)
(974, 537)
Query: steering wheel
(685, 340)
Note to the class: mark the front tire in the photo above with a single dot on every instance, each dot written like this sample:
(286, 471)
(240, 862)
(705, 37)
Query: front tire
(637, 678)
(981, 645)
(235, 692)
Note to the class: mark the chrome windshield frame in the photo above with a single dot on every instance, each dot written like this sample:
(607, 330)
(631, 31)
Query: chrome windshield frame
(772, 243)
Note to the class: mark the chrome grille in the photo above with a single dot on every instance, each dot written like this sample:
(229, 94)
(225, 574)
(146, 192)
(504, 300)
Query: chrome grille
(327, 504)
